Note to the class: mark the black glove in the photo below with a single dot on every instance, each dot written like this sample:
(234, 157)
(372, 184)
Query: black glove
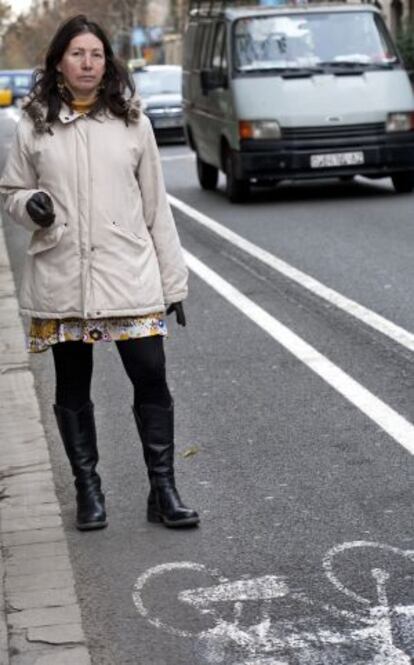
(40, 209)
(178, 308)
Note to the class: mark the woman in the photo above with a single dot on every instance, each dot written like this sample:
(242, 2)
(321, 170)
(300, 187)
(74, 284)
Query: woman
(104, 261)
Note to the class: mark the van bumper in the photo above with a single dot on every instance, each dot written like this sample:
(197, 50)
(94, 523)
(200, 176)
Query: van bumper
(267, 160)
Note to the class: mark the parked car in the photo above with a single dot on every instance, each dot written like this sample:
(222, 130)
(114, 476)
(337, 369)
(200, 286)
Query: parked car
(19, 81)
(159, 87)
(289, 92)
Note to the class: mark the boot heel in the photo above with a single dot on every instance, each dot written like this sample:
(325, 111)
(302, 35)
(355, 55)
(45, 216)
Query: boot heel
(153, 517)
(91, 526)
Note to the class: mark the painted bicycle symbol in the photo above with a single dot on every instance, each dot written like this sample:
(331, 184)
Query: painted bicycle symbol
(371, 630)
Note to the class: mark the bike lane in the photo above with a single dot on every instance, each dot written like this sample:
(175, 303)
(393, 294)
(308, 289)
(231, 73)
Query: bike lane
(283, 471)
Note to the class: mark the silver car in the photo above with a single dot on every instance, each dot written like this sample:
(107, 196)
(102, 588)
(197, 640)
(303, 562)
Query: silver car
(159, 87)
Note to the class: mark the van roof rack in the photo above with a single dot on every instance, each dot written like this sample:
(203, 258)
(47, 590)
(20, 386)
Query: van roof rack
(206, 8)
(210, 8)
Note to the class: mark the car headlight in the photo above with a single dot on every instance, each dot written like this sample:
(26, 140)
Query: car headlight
(400, 122)
(259, 129)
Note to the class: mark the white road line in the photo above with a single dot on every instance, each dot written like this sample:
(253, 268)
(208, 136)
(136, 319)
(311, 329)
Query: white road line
(378, 411)
(370, 318)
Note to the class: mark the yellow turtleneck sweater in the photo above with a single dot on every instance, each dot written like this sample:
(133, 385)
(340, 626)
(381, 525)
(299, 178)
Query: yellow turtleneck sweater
(82, 107)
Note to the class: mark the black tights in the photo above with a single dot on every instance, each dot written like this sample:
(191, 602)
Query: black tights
(144, 363)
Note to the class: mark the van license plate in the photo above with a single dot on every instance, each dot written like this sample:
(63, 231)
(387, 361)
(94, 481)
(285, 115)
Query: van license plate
(337, 159)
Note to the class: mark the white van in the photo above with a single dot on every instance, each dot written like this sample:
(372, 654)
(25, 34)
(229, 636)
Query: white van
(293, 92)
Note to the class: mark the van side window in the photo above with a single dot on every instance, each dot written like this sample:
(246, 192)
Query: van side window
(224, 51)
(205, 47)
(218, 56)
(199, 39)
(189, 46)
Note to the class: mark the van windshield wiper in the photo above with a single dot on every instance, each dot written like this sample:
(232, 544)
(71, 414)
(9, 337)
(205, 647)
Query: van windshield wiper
(286, 72)
(345, 67)
(297, 72)
(356, 64)
(384, 65)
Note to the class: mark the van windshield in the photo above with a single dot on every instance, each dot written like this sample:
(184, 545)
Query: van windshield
(337, 39)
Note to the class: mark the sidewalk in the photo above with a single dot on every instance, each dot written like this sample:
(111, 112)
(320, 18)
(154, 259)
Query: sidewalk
(40, 622)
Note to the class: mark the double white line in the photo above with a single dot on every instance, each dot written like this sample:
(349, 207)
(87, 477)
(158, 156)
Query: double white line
(398, 427)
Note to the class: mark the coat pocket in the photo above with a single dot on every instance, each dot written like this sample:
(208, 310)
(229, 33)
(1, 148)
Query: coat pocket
(129, 235)
(45, 239)
(43, 265)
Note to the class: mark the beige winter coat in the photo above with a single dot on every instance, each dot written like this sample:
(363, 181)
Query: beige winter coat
(113, 249)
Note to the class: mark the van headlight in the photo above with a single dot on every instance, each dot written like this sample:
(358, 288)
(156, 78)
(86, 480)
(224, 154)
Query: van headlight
(400, 122)
(259, 129)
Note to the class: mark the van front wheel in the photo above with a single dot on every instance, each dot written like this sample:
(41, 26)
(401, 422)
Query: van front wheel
(403, 182)
(207, 174)
(237, 190)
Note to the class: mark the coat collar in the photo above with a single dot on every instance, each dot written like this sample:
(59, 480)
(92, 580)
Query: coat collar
(38, 112)
(68, 115)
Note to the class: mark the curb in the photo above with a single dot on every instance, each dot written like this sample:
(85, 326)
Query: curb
(4, 641)
(40, 620)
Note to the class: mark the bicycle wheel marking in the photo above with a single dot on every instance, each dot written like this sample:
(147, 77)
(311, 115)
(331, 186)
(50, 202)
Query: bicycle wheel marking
(155, 572)
(327, 563)
(264, 642)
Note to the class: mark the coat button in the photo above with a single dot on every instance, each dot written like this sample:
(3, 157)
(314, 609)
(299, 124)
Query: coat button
(96, 334)
(98, 313)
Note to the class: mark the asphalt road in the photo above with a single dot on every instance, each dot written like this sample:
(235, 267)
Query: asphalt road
(304, 481)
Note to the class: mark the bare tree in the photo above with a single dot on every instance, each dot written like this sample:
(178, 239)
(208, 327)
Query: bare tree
(5, 11)
(26, 38)
(128, 15)
(179, 11)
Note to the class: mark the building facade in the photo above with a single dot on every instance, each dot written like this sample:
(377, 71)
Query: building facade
(397, 13)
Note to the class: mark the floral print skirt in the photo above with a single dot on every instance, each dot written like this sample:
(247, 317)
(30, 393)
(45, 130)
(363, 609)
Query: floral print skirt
(43, 333)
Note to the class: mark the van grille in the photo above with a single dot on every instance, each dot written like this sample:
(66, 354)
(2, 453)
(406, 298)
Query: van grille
(333, 131)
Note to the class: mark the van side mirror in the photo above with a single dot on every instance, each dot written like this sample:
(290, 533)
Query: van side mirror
(211, 79)
(6, 97)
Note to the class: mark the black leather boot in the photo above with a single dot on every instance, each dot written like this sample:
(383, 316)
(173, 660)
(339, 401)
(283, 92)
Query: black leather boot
(77, 429)
(156, 429)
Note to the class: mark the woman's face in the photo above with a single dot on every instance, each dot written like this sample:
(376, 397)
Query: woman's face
(83, 65)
